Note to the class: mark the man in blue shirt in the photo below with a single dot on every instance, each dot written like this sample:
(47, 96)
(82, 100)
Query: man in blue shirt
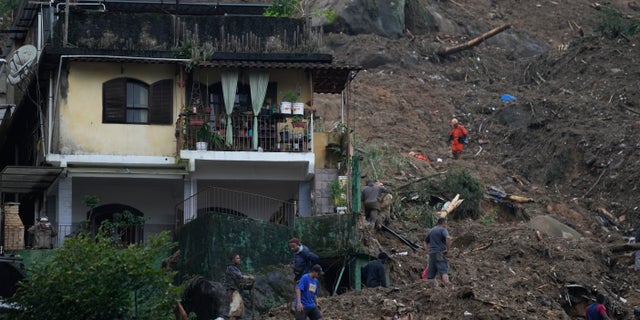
(306, 291)
(438, 242)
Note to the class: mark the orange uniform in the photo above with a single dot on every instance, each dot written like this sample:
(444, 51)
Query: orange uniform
(457, 136)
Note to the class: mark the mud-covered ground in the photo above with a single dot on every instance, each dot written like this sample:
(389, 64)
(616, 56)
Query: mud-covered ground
(571, 138)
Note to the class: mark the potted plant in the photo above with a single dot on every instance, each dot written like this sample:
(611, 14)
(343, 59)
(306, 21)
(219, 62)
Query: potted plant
(338, 194)
(217, 141)
(298, 122)
(289, 97)
(203, 135)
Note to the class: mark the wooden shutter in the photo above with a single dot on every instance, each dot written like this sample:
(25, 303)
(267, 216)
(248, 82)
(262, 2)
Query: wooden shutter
(161, 102)
(114, 101)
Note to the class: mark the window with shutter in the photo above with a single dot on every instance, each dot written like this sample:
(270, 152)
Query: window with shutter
(161, 102)
(126, 100)
(114, 94)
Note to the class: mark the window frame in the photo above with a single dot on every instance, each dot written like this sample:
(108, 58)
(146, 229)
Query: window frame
(115, 102)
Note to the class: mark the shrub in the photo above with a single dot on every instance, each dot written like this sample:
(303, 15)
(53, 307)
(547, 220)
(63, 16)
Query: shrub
(613, 24)
(282, 8)
(89, 278)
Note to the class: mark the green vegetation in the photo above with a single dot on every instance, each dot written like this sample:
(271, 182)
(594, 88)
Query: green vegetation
(6, 6)
(203, 133)
(458, 181)
(613, 24)
(90, 278)
(338, 193)
(118, 225)
(490, 217)
(455, 181)
(293, 8)
(282, 8)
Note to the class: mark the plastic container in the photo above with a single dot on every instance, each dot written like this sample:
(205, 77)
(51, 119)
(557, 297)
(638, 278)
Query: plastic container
(298, 108)
(285, 107)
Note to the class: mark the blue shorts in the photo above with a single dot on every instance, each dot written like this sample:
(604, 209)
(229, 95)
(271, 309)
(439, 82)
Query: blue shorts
(438, 263)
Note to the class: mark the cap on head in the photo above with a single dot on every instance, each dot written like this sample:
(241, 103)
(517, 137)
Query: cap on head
(295, 240)
(411, 153)
(317, 268)
(454, 121)
(44, 219)
(383, 256)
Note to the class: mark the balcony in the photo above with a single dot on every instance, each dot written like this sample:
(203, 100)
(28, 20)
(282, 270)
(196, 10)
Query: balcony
(275, 132)
(239, 204)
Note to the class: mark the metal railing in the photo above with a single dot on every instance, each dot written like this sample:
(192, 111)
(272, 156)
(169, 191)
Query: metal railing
(276, 133)
(215, 200)
(132, 234)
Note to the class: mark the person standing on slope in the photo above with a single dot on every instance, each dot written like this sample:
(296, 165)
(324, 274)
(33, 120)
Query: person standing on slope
(458, 138)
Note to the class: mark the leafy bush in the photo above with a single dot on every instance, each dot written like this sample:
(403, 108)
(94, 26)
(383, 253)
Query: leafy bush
(282, 8)
(613, 24)
(461, 182)
(455, 181)
(89, 278)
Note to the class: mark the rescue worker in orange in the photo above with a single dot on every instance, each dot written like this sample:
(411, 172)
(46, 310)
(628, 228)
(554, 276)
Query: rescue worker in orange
(458, 138)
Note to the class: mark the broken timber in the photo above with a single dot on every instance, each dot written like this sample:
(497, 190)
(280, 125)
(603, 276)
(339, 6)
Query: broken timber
(473, 42)
(452, 206)
(406, 241)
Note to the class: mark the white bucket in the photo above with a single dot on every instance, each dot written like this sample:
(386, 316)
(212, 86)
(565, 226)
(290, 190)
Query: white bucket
(285, 107)
(298, 108)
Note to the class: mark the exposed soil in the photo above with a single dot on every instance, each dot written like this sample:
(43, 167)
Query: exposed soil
(572, 136)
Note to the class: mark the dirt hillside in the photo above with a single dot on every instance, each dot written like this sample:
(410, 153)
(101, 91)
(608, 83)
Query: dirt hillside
(570, 141)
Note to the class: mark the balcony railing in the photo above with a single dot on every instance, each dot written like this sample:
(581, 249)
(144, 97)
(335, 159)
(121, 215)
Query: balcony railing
(275, 133)
(130, 235)
(242, 204)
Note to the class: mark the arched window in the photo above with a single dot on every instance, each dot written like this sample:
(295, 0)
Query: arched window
(126, 100)
(127, 234)
(137, 102)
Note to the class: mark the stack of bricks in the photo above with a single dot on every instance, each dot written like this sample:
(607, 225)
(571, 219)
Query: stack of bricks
(13, 227)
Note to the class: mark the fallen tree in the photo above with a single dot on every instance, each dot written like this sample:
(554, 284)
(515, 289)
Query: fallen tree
(473, 42)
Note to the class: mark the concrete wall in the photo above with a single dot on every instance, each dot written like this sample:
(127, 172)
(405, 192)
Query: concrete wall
(81, 127)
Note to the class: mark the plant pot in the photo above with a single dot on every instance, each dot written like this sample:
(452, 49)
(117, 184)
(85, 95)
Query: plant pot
(285, 107)
(298, 108)
(202, 146)
(299, 124)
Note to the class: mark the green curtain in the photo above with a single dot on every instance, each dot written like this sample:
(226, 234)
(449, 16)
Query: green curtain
(258, 83)
(229, 85)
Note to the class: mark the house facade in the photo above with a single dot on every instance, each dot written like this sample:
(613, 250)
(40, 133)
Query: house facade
(167, 111)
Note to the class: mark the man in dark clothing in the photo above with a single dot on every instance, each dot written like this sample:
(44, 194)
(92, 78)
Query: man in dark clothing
(370, 196)
(374, 273)
(303, 258)
(235, 281)
(438, 242)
